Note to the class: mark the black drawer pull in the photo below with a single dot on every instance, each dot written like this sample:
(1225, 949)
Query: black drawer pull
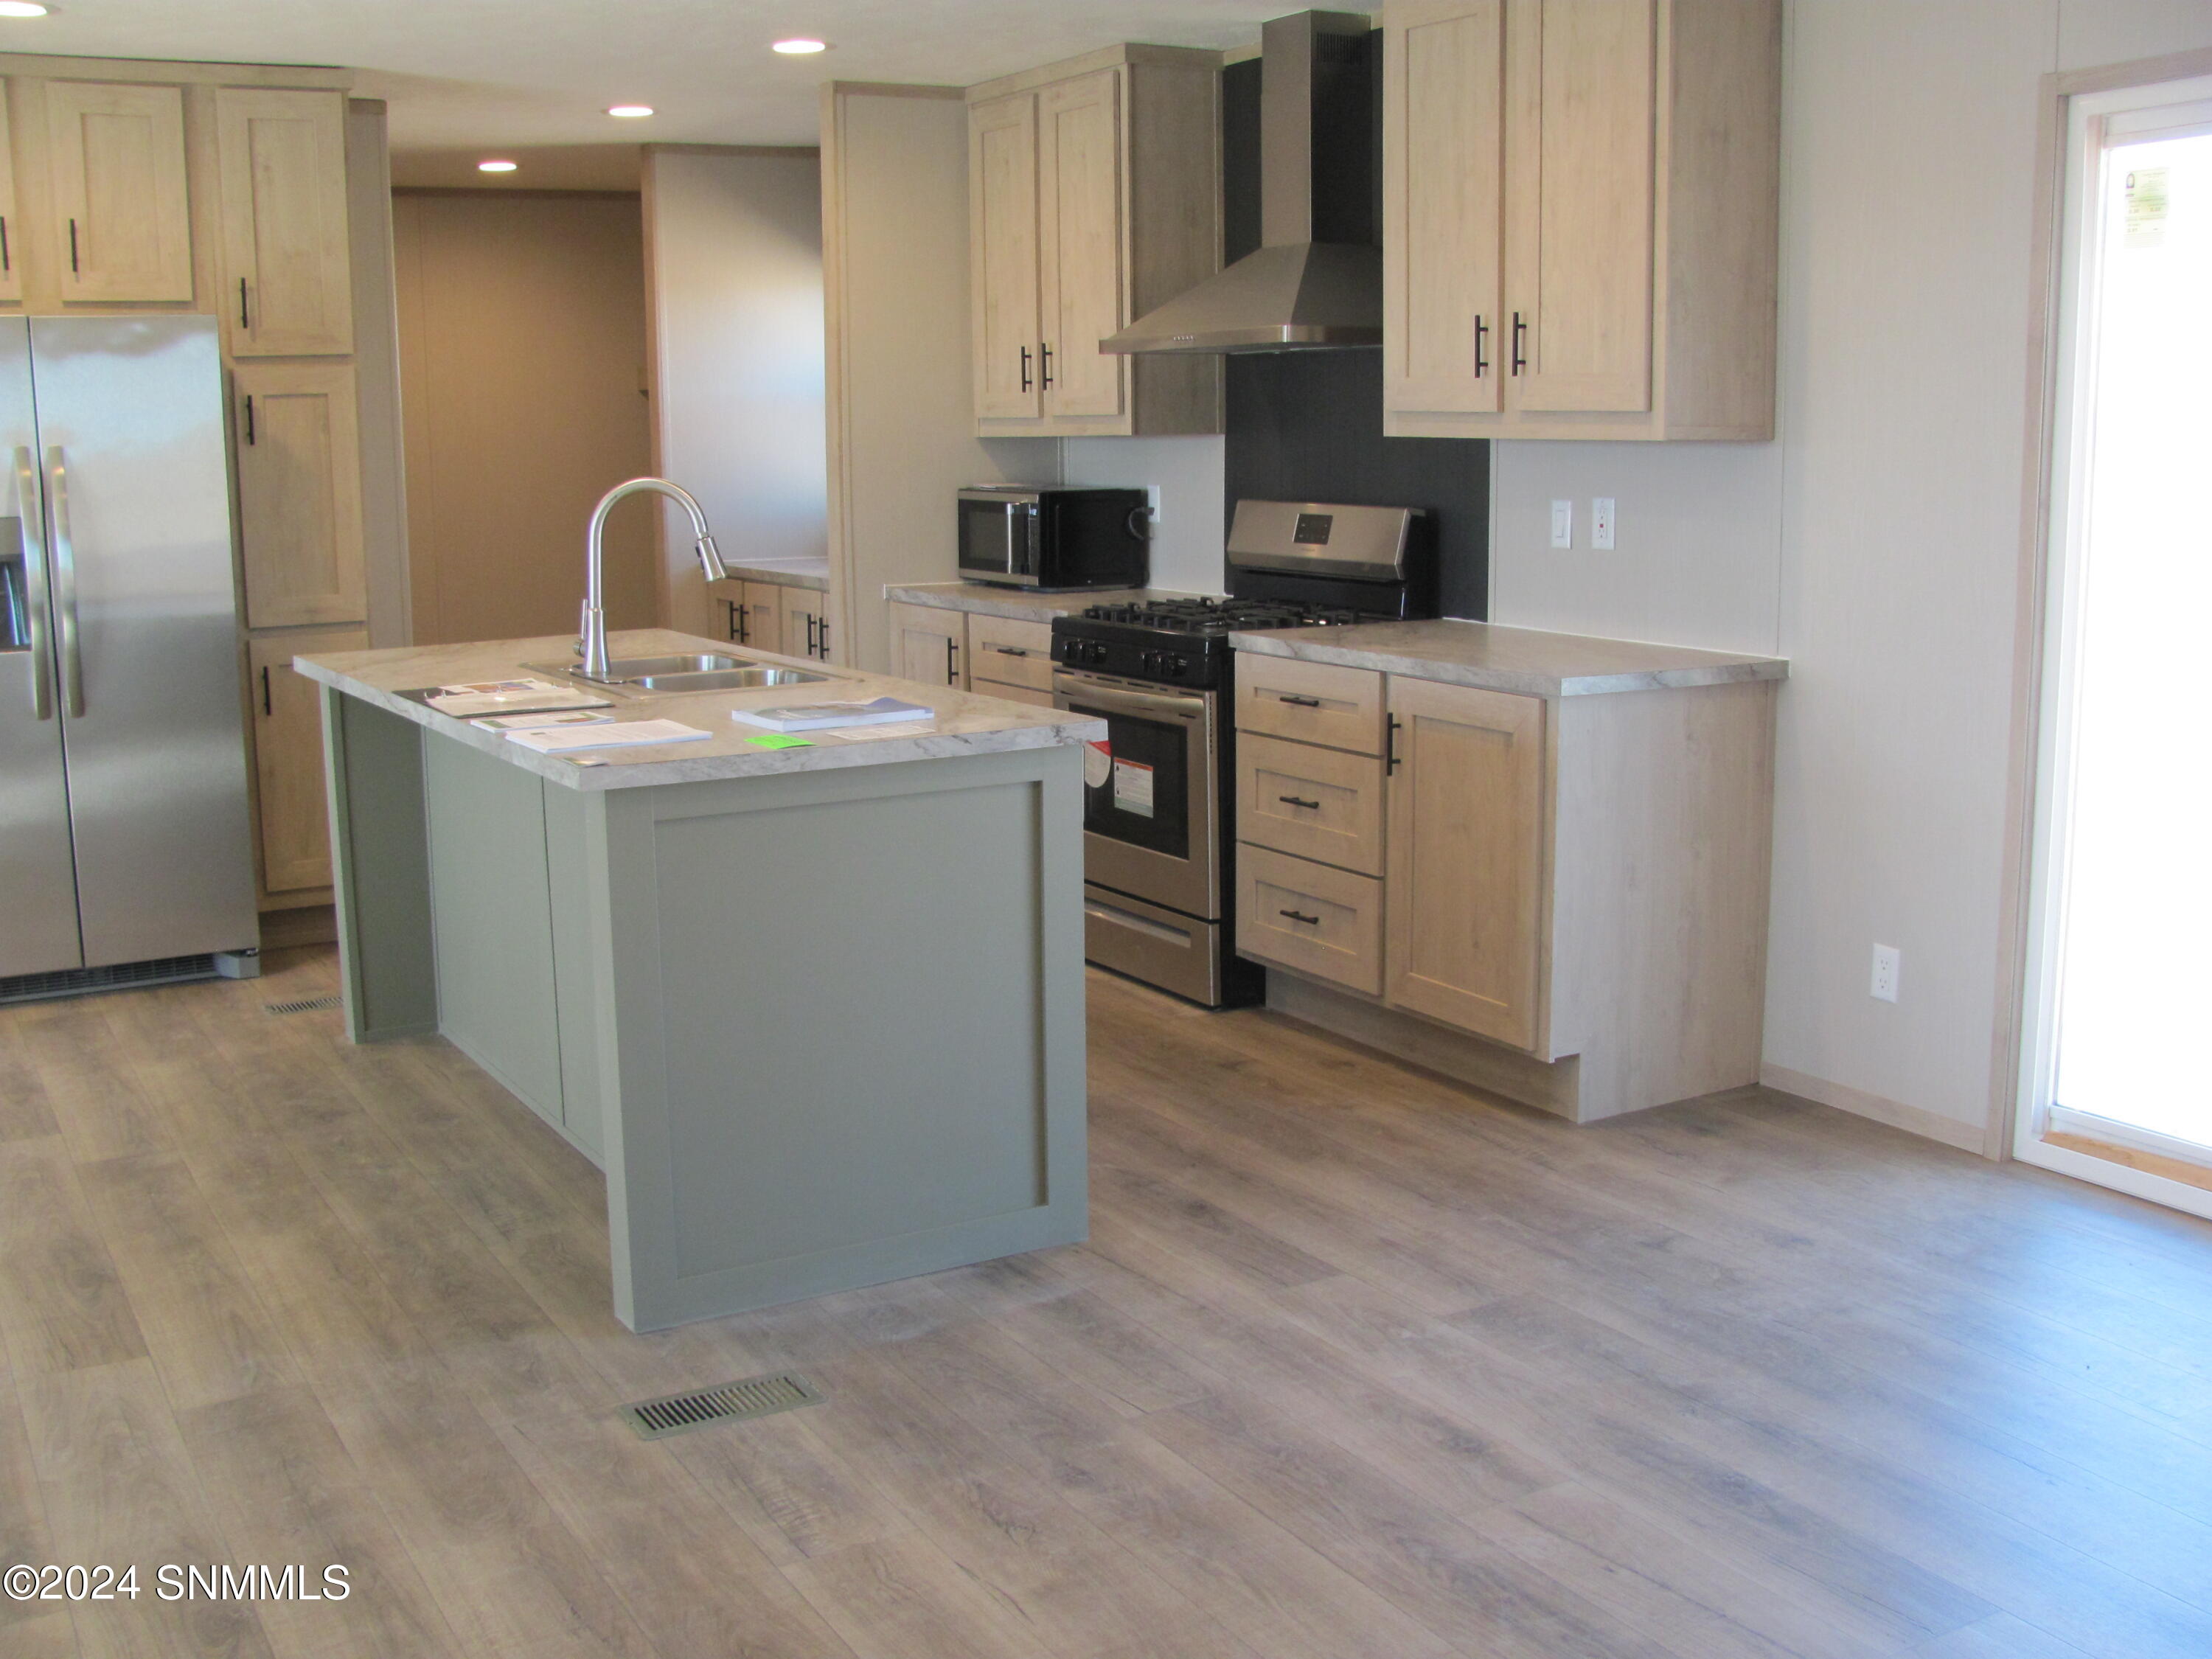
(1293, 800)
(1009, 651)
(1302, 702)
(1295, 916)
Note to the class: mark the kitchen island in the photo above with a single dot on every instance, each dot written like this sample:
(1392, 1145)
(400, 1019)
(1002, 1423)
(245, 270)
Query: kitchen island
(816, 1011)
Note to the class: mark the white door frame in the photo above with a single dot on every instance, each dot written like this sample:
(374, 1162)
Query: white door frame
(2071, 135)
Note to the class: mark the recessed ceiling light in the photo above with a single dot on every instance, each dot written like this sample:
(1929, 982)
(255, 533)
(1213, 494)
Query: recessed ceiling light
(795, 48)
(631, 112)
(22, 8)
(495, 166)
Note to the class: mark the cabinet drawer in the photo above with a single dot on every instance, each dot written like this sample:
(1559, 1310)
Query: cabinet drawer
(1010, 652)
(1310, 702)
(1318, 803)
(1027, 694)
(1307, 916)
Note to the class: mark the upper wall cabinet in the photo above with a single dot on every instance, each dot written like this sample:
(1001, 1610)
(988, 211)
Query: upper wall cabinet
(11, 269)
(1094, 195)
(288, 290)
(1579, 218)
(122, 221)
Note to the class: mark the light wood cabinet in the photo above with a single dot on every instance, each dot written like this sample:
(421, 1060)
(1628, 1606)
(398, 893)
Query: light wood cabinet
(761, 623)
(1094, 196)
(804, 622)
(1009, 655)
(1310, 702)
(299, 494)
(1566, 895)
(122, 219)
(1466, 857)
(929, 645)
(1002, 171)
(288, 757)
(1580, 219)
(11, 229)
(288, 288)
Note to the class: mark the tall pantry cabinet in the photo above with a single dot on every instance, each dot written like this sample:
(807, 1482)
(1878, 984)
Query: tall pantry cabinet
(1579, 218)
(226, 189)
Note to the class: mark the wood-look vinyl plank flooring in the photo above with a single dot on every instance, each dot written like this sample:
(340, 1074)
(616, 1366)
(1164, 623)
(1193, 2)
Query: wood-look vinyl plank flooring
(1357, 1364)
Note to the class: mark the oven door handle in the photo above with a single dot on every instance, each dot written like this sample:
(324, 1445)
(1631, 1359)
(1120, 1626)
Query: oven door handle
(1113, 697)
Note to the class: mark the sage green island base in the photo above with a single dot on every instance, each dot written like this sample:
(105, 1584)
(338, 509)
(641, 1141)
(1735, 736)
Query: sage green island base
(818, 1013)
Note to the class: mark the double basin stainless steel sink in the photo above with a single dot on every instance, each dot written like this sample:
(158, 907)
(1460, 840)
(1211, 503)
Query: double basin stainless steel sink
(674, 676)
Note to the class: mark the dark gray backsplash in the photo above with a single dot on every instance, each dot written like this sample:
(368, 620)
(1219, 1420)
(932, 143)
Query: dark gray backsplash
(1307, 425)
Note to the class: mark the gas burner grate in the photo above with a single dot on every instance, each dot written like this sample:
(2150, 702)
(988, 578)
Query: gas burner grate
(1221, 616)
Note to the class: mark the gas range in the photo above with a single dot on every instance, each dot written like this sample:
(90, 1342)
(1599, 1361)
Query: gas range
(1159, 801)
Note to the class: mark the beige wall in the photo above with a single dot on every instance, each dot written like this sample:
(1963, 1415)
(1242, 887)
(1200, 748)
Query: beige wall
(734, 253)
(1875, 543)
(522, 370)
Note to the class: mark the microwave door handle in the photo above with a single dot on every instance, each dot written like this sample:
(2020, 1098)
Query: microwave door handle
(32, 524)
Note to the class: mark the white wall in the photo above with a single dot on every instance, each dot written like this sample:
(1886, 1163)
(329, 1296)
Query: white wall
(1190, 527)
(1876, 542)
(734, 254)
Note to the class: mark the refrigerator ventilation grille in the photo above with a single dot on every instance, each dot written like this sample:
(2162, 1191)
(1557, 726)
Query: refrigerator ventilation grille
(758, 1397)
(76, 981)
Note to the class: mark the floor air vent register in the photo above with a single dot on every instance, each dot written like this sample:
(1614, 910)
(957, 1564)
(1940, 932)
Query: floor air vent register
(757, 1397)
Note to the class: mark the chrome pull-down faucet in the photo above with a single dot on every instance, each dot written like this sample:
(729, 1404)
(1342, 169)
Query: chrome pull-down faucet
(594, 665)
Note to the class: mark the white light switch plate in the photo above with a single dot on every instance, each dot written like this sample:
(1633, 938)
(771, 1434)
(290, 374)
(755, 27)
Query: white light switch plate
(1563, 524)
(1601, 522)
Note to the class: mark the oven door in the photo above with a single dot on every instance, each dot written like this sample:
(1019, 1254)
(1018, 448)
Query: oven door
(1149, 793)
(998, 537)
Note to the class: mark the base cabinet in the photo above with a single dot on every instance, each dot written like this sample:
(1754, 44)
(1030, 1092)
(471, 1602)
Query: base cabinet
(288, 757)
(929, 645)
(1578, 880)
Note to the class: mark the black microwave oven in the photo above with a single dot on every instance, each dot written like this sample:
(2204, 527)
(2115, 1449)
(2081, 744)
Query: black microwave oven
(1054, 538)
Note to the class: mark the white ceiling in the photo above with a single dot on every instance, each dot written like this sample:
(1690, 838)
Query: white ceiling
(464, 74)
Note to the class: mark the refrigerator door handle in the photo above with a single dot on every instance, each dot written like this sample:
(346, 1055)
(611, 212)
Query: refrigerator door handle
(32, 526)
(65, 585)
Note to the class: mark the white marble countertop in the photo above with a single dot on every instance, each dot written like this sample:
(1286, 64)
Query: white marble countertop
(1020, 604)
(1525, 660)
(788, 573)
(965, 724)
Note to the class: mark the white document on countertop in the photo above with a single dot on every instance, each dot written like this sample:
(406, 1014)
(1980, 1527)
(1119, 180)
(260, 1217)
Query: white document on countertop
(619, 734)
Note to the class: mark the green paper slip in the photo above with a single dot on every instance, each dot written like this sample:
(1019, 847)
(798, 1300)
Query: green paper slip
(781, 740)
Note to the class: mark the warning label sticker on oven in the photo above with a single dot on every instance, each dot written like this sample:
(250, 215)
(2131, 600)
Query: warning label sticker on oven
(1133, 789)
(1097, 764)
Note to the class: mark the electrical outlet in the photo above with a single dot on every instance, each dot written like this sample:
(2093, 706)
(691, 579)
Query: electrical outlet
(1563, 524)
(1888, 960)
(1152, 504)
(1602, 523)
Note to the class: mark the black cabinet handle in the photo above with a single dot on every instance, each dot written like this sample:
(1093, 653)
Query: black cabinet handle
(1046, 360)
(1519, 333)
(813, 632)
(1389, 743)
(1301, 703)
(73, 265)
(265, 708)
(5, 263)
(1293, 800)
(825, 639)
(1295, 915)
(1481, 363)
(249, 417)
(1007, 650)
(243, 321)
(952, 666)
(1025, 368)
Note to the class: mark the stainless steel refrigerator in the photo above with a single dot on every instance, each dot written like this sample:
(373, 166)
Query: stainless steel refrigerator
(124, 850)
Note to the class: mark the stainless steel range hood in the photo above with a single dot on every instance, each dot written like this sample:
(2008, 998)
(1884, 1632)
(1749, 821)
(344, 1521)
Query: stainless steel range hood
(1316, 282)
